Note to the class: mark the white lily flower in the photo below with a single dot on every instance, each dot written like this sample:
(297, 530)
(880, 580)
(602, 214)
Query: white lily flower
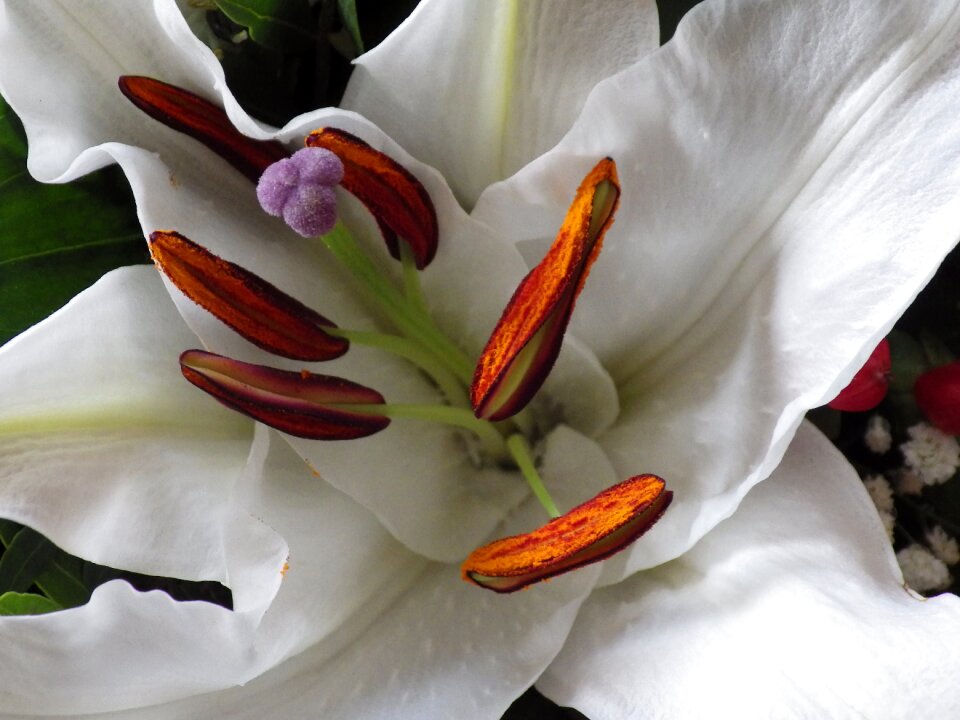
(790, 181)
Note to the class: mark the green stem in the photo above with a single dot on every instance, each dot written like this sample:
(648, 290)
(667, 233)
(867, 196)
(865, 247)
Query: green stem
(444, 414)
(411, 279)
(411, 323)
(415, 353)
(517, 445)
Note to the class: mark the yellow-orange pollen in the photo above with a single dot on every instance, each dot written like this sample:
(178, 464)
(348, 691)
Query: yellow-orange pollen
(590, 532)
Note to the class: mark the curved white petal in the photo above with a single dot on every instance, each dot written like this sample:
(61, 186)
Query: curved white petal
(479, 89)
(384, 633)
(792, 608)
(791, 179)
(442, 648)
(302, 559)
(104, 448)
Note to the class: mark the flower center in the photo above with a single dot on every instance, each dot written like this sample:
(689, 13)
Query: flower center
(488, 399)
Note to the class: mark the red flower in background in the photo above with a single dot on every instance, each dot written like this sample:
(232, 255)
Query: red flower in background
(938, 394)
(869, 386)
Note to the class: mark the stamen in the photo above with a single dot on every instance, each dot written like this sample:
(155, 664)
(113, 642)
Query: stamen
(590, 532)
(260, 312)
(520, 451)
(317, 407)
(526, 341)
(384, 296)
(411, 279)
(445, 415)
(414, 352)
(202, 120)
(393, 196)
(300, 190)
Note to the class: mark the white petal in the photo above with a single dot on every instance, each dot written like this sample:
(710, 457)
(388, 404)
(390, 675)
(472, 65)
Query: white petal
(385, 633)
(439, 648)
(444, 649)
(791, 179)
(125, 650)
(792, 608)
(122, 649)
(104, 447)
(63, 57)
(479, 89)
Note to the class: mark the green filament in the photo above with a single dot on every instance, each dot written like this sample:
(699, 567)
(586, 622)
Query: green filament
(444, 414)
(411, 279)
(428, 348)
(412, 351)
(517, 445)
(412, 322)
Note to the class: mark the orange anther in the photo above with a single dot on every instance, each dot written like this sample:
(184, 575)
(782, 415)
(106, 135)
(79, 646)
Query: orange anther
(527, 339)
(395, 198)
(202, 120)
(590, 532)
(264, 315)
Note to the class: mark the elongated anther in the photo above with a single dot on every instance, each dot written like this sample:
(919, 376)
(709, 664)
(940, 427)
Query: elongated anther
(202, 120)
(526, 341)
(396, 199)
(257, 310)
(297, 403)
(590, 532)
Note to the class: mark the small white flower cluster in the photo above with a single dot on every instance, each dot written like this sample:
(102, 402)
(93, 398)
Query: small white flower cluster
(931, 457)
(908, 482)
(878, 437)
(932, 454)
(922, 570)
(882, 495)
(943, 545)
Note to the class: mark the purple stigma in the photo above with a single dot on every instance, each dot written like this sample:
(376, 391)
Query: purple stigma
(300, 190)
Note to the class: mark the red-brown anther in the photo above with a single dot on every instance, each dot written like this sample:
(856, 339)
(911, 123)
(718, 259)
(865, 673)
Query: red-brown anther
(590, 532)
(261, 313)
(318, 407)
(200, 119)
(527, 339)
(395, 198)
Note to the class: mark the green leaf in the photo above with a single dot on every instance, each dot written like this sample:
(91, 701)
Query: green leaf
(348, 15)
(56, 240)
(14, 603)
(907, 362)
(96, 575)
(25, 558)
(8, 531)
(281, 25)
(62, 580)
(935, 349)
